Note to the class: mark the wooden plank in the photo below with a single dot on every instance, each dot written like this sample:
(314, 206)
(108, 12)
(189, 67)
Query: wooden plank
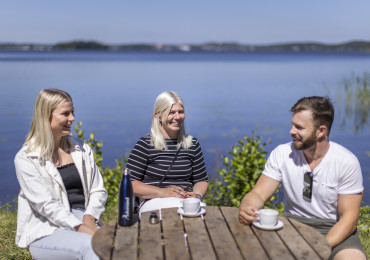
(247, 242)
(313, 237)
(126, 244)
(173, 232)
(223, 241)
(273, 245)
(295, 242)
(200, 244)
(150, 238)
(102, 241)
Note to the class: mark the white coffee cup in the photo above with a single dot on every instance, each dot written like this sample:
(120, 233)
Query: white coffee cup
(191, 205)
(268, 217)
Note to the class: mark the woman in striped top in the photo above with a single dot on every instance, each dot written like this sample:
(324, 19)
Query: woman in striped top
(168, 163)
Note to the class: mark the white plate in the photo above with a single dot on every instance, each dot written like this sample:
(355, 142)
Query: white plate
(278, 225)
(201, 211)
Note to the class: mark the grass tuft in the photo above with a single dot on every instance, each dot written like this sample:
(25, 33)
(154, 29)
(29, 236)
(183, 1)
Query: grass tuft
(8, 226)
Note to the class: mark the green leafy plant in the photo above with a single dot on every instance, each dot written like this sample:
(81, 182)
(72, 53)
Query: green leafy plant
(111, 176)
(363, 223)
(363, 227)
(242, 168)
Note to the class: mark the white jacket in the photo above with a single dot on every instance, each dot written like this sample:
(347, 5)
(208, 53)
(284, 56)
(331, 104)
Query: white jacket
(43, 203)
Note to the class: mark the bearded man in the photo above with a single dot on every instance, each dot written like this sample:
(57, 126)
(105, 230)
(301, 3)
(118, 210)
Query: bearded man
(322, 180)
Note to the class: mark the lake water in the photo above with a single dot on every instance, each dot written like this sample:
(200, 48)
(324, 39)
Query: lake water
(226, 95)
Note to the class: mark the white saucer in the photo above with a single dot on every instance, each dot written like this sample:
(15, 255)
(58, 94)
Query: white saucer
(278, 225)
(201, 211)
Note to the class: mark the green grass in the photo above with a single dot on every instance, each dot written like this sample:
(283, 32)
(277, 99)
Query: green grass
(8, 224)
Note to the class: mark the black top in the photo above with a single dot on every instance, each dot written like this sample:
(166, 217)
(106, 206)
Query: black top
(72, 183)
(149, 165)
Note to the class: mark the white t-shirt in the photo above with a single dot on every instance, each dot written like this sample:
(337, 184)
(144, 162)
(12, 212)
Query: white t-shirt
(339, 172)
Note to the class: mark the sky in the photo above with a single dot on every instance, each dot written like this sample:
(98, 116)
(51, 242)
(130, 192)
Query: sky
(184, 22)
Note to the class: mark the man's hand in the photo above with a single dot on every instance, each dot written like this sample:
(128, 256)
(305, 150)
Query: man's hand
(247, 214)
(256, 198)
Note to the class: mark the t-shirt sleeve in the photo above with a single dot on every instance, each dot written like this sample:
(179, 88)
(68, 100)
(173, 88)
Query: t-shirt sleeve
(351, 179)
(272, 165)
(199, 167)
(138, 160)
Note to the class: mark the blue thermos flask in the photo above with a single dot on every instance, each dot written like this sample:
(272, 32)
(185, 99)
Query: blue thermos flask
(126, 200)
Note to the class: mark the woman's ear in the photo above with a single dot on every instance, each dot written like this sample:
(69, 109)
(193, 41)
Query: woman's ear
(157, 115)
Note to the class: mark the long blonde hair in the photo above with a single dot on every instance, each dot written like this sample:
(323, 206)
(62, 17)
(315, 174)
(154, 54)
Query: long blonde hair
(162, 107)
(40, 137)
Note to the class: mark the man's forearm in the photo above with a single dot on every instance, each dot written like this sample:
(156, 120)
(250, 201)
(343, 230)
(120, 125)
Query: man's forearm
(252, 199)
(340, 231)
(348, 210)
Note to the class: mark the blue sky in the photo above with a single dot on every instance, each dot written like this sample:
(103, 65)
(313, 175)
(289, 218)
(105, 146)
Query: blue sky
(171, 21)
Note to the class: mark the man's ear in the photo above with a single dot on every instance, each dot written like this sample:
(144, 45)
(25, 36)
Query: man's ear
(322, 131)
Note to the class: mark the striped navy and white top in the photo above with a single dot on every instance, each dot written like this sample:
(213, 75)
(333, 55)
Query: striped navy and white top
(149, 165)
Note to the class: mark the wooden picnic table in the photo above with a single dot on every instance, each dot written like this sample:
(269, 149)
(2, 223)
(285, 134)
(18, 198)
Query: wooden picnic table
(217, 235)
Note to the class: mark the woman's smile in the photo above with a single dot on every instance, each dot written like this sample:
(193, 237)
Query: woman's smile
(171, 125)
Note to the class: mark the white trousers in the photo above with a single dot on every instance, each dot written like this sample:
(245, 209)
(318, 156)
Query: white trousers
(64, 245)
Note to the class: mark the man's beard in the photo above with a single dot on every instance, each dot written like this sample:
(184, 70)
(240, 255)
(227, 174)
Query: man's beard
(303, 145)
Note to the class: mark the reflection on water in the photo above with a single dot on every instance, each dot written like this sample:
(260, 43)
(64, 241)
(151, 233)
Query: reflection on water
(356, 101)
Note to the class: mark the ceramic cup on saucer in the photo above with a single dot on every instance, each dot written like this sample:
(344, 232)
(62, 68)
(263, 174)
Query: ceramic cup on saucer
(191, 205)
(268, 217)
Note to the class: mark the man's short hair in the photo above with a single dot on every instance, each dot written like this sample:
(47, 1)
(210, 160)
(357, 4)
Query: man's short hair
(321, 107)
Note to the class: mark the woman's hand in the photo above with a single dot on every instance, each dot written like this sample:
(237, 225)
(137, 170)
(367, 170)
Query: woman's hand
(83, 228)
(88, 226)
(90, 221)
(181, 193)
(146, 191)
(191, 195)
(173, 191)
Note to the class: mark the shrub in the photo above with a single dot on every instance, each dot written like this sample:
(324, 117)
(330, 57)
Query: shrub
(363, 226)
(240, 173)
(111, 176)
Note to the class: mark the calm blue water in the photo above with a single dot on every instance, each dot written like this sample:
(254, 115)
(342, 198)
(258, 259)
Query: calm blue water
(227, 95)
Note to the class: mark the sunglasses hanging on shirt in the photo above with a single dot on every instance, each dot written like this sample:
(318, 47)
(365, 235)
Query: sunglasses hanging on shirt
(307, 185)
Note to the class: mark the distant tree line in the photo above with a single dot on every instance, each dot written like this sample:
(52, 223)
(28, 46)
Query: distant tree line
(80, 45)
(362, 46)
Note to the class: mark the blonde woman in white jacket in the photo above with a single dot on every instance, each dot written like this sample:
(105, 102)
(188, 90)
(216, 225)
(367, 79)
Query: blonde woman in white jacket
(62, 191)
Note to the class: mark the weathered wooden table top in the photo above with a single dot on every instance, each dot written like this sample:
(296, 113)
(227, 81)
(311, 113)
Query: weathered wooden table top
(218, 235)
